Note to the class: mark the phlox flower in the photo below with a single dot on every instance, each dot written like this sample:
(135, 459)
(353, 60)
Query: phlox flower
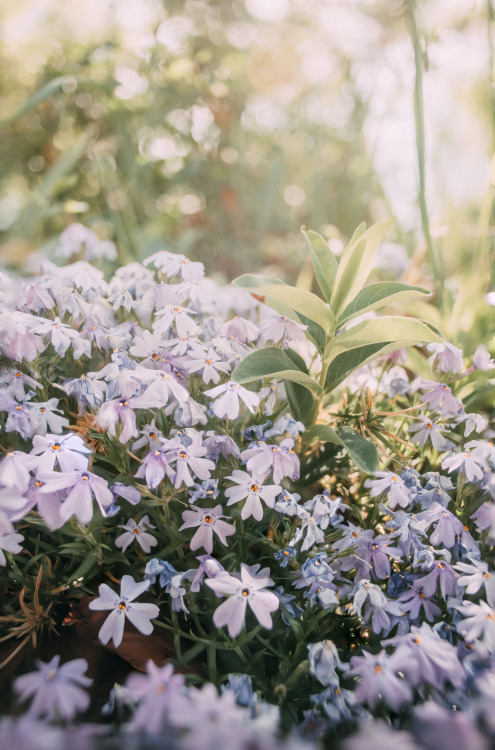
(118, 410)
(9, 540)
(280, 328)
(88, 389)
(281, 459)
(446, 357)
(426, 430)
(250, 589)
(447, 525)
(323, 661)
(157, 463)
(136, 531)
(309, 530)
(163, 387)
(60, 450)
(83, 486)
(475, 576)
(62, 336)
(440, 397)
(208, 363)
(464, 462)
(177, 316)
(378, 680)
(158, 693)
(228, 403)
(122, 606)
(209, 521)
(160, 569)
(387, 481)
(56, 689)
(190, 458)
(479, 623)
(45, 416)
(414, 600)
(482, 359)
(252, 490)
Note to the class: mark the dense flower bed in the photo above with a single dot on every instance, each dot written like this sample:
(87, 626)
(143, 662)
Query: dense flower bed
(191, 488)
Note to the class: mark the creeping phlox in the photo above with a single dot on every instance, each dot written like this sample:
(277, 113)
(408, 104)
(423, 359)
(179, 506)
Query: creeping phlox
(183, 507)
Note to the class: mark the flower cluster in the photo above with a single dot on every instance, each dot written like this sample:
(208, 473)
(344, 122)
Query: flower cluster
(198, 517)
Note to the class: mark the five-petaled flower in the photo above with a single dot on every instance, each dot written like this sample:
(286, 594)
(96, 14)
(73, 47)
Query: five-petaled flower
(122, 606)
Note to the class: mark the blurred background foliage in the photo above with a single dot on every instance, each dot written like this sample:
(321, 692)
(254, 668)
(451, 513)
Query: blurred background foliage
(216, 128)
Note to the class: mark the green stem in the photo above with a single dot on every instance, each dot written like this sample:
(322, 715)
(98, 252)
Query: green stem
(420, 148)
(316, 405)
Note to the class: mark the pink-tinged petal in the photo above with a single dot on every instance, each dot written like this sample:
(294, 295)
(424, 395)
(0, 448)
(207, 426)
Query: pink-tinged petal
(263, 603)
(203, 538)
(231, 613)
(107, 598)
(113, 628)
(141, 615)
(130, 589)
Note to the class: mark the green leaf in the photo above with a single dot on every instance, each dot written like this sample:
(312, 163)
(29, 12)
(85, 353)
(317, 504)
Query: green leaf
(363, 452)
(323, 433)
(345, 363)
(388, 329)
(377, 295)
(45, 92)
(324, 261)
(302, 302)
(273, 362)
(356, 264)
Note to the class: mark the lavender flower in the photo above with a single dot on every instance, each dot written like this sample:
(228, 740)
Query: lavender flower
(378, 680)
(228, 403)
(61, 450)
(83, 485)
(9, 540)
(250, 589)
(137, 531)
(140, 615)
(465, 463)
(440, 396)
(158, 693)
(389, 482)
(280, 459)
(323, 661)
(209, 522)
(56, 689)
(426, 430)
(251, 489)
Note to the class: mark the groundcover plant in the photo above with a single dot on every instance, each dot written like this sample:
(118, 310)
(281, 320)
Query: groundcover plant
(240, 516)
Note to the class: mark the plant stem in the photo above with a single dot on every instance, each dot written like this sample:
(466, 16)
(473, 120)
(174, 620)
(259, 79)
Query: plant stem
(420, 148)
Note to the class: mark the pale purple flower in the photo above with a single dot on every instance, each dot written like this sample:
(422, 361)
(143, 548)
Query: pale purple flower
(60, 450)
(440, 396)
(157, 694)
(137, 531)
(56, 689)
(281, 328)
(220, 445)
(447, 525)
(323, 661)
(377, 606)
(308, 530)
(473, 422)
(414, 600)
(281, 459)
(426, 430)
(475, 576)
(270, 396)
(479, 623)
(441, 573)
(250, 589)
(378, 680)
(252, 490)
(88, 389)
(9, 540)
(241, 328)
(482, 359)
(208, 363)
(446, 357)
(466, 463)
(163, 387)
(228, 403)
(157, 463)
(18, 383)
(425, 657)
(150, 436)
(212, 720)
(118, 410)
(209, 522)
(45, 416)
(122, 606)
(83, 486)
(178, 316)
(190, 458)
(62, 336)
(388, 482)
(209, 567)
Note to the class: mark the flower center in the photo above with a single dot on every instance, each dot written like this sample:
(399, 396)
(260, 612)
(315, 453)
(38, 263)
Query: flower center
(18, 408)
(153, 436)
(378, 668)
(245, 592)
(136, 531)
(37, 483)
(85, 477)
(56, 446)
(122, 605)
(254, 488)
(208, 519)
(122, 403)
(182, 454)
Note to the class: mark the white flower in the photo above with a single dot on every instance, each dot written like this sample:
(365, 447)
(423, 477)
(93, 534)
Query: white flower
(138, 532)
(209, 521)
(252, 489)
(140, 615)
(228, 403)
